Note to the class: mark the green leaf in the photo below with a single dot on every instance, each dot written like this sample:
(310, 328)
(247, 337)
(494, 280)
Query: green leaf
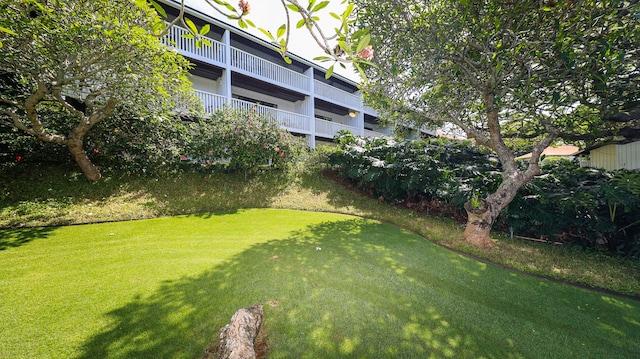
(329, 72)
(498, 67)
(267, 33)
(281, 30)
(188, 36)
(300, 23)
(364, 41)
(335, 16)
(356, 35)
(159, 9)
(8, 31)
(191, 25)
(345, 47)
(293, 7)
(311, 3)
(205, 29)
(323, 58)
(225, 4)
(347, 11)
(242, 24)
(250, 23)
(320, 6)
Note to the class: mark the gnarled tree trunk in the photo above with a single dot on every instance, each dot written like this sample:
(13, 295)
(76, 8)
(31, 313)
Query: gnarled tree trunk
(479, 223)
(90, 171)
(482, 215)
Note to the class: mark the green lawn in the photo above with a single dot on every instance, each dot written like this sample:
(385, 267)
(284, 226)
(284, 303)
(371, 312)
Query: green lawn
(162, 288)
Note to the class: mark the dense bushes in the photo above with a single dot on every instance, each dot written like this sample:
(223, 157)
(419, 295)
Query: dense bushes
(582, 205)
(566, 203)
(236, 140)
(229, 140)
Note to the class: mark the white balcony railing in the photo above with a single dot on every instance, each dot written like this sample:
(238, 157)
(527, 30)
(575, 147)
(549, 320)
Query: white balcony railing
(290, 121)
(211, 102)
(336, 95)
(329, 129)
(254, 65)
(210, 54)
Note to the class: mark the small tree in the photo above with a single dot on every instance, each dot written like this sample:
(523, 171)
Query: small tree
(479, 64)
(90, 59)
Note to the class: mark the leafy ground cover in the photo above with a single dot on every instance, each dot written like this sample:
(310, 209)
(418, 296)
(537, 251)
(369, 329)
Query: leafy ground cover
(332, 285)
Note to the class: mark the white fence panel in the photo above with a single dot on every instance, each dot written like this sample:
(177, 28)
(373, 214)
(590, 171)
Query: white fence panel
(211, 54)
(336, 95)
(254, 65)
(290, 121)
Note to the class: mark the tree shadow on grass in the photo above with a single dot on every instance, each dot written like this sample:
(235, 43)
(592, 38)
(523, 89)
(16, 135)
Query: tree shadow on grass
(357, 288)
(48, 195)
(12, 238)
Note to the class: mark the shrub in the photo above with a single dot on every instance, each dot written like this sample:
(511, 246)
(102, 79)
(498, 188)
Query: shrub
(567, 203)
(141, 145)
(238, 140)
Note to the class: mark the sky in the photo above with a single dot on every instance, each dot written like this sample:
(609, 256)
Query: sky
(270, 14)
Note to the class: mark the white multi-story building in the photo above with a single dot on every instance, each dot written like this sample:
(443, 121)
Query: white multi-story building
(243, 71)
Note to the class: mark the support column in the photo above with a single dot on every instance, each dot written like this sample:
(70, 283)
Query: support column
(309, 108)
(226, 73)
(360, 114)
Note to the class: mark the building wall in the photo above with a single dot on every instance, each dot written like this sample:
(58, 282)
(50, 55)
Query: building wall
(629, 155)
(300, 89)
(613, 157)
(207, 85)
(343, 119)
(604, 157)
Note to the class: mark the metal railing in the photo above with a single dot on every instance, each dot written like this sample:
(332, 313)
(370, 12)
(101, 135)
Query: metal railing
(211, 54)
(262, 68)
(329, 129)
(290, 121)
(336, 95)
(211, 102)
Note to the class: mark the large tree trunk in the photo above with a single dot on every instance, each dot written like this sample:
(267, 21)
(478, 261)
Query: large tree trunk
(479, 223)
(483, 213)
(90, 171)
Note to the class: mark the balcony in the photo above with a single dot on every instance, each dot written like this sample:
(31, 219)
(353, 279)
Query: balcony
(213, 54)
(254, 66)
(330, 129)
(338, 96)
(290, 121)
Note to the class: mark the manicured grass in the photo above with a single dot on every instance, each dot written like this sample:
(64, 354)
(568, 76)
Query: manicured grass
(36, 196)
(161, 288)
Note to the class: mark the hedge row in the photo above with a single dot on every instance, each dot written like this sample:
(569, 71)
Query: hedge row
(228, 140)
(567, 203)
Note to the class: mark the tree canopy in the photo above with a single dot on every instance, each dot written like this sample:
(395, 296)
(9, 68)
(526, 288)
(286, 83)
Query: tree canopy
(543, 69)
(90, 59)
